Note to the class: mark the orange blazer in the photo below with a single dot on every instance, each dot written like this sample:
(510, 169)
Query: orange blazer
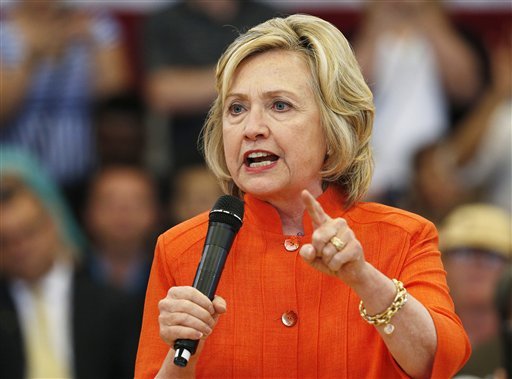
(263, 280)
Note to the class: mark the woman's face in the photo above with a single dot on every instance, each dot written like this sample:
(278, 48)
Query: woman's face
(273, 141)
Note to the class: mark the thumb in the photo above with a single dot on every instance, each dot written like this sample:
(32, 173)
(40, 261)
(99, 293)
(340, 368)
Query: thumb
(307, 252)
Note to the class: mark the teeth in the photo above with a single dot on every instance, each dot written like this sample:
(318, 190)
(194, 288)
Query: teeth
(260, 164)
(258, 154)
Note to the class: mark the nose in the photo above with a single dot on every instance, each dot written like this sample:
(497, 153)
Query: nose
(256, 125)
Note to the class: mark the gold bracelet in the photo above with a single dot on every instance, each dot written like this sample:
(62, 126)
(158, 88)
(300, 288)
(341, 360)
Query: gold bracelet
(384, 318)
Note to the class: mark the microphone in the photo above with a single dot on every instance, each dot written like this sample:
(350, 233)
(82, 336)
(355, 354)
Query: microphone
(224, 222)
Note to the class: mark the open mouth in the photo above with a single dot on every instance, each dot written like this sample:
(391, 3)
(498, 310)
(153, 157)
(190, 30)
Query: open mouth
(260, 159)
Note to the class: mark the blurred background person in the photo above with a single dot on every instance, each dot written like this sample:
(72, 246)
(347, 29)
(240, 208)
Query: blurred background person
(54, 321)
(424, 73)
(475, 161)
(194, 189)
(120, 130)
(434, 190)
(481, 146)
(122, 219)
(55, 60)
(182, 44)
(476, 245)
(504, 303)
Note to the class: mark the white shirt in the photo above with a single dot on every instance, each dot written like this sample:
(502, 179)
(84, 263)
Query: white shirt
(56, 292)
(410, 107)
(491, 166)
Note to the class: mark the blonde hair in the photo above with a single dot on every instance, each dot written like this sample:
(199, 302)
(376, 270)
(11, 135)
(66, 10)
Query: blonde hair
(344, 99)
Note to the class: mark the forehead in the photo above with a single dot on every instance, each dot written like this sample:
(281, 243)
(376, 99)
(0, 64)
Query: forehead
(119, 180)
(275, 70)
(22, 209)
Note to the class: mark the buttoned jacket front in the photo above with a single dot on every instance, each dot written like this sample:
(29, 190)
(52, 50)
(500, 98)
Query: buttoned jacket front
(285, 319)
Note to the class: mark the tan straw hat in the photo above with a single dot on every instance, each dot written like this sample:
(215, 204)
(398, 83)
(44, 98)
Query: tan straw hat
(480, 226)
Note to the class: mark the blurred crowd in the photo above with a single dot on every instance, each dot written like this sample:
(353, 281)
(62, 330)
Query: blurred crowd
(97, 160)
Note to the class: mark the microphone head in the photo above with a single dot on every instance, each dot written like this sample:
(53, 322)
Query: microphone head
(229, 210)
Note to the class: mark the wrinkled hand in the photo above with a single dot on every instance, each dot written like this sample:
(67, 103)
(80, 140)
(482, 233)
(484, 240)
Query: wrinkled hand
(186, 313)
(347, 263)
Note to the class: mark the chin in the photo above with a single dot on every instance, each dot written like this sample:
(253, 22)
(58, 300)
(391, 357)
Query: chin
(261, 190)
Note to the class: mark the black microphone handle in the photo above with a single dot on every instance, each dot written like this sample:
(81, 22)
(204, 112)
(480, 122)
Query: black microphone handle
(219, 239)
(218, 242)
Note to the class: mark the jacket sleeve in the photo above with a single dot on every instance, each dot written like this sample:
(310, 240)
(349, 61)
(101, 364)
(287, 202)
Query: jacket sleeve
(425, 278)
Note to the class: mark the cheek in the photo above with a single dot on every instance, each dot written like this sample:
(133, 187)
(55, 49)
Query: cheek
(231, 150)
(310, 154)
(312, 143)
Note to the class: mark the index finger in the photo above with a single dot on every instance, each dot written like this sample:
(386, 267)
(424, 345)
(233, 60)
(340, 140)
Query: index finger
(193, 295)
(314, 209)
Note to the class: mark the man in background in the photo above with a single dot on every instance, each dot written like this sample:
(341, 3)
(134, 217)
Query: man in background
(182, 45)
(54, 321)
(476, 245)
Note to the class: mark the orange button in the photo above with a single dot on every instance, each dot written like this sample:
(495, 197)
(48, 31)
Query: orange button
(289, 318)
(291, 244)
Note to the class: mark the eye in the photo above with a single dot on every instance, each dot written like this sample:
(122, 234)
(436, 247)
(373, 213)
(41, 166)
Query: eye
(280, 106)
(236, 109)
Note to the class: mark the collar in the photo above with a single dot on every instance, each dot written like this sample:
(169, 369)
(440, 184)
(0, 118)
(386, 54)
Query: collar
(264, 216)
(57, 277)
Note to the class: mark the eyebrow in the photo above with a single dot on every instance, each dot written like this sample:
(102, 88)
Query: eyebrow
(266, 94)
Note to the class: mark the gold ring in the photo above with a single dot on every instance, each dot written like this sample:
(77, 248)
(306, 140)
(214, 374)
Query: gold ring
(338, 244)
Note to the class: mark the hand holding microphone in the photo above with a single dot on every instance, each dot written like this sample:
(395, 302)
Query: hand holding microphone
(187, 314)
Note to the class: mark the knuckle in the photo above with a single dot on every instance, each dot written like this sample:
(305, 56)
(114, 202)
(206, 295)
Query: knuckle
(184, 319)
(328, 251)
(176, 292)
(340, 222)
(165, 334)
(318, 237)
(316, 234)
(172, 291)
(336, 262)
(164, 321)
(167, 305)
(162, 305)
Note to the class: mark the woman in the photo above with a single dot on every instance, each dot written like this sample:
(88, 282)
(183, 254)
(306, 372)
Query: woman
(290, 132)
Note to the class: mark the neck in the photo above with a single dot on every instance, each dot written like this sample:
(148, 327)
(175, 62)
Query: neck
(292, 223)
(291, 210)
